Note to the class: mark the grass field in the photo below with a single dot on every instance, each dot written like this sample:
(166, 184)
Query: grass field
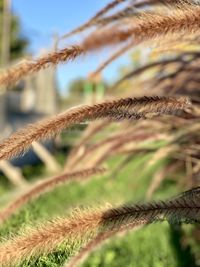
(153, 245)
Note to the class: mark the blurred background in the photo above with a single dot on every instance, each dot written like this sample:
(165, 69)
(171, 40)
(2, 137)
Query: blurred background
(145, 163)
(29, 31)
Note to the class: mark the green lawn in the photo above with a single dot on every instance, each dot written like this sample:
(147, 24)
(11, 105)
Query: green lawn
(152, 245)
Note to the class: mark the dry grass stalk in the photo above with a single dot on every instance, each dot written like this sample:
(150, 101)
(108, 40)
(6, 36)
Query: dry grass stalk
(78, 150)
(181, 22)
(21, 140)
(44, 186)
(97, 242)
(102, 223)
(113, 57)
(146, 27)
(89, 152)
(162, 153)
(83, 225)
(45, 238)
(21, 70)
(181, 59)
(99, 14)
(159, 176)
(131, 144)
(124, 13)
(100, 152)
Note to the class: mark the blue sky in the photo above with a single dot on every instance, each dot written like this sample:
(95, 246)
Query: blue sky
(42, 19)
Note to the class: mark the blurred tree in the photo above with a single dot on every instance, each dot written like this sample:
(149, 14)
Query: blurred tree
(82, 87)
(74, 93)
(76, 87)
(18, 43)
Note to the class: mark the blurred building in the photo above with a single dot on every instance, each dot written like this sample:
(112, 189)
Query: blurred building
(31, 100)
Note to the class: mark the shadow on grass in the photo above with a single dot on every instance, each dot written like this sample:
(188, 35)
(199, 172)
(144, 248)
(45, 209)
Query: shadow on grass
(182, 253)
